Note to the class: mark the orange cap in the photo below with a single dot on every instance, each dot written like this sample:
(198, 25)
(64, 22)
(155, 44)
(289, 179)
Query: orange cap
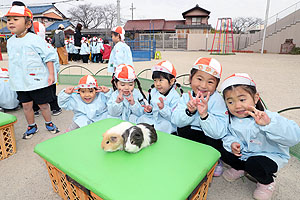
(87, 82)
(19, 11)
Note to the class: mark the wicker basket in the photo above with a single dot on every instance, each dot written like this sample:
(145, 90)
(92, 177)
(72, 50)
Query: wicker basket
(69, 189)
(7, 141)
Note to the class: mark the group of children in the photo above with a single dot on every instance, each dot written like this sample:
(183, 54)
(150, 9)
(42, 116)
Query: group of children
(250, 139)
(94, 48)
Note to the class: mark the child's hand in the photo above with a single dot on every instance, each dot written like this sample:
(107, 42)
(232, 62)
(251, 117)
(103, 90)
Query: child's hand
(70, 90)
(120, 97)
(236, 149)
(102, 89)
(147, 108)
(202, 104)
(130, 99)
(260, 117)
(191, 104)
(161, 104)
(51, 79)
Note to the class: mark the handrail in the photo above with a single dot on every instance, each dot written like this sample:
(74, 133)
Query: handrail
(148, 69)
(100, 70)
(290, 108)
(75, 66)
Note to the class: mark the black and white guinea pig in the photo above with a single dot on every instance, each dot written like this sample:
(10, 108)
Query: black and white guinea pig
(139, 136)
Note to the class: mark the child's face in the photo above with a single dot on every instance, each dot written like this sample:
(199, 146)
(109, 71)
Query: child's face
(204, 83)
(163, 85)
(238, 101)
(17, 25)
(87, 94)
(114, 38)
(125, 87)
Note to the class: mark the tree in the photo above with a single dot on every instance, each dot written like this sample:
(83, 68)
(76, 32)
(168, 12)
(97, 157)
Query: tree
(91, 16)
(86, 14)
(240, 24)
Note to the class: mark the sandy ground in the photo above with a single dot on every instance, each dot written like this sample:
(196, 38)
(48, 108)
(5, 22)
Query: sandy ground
(24, 175)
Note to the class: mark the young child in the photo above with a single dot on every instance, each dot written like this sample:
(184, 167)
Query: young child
(257, 141)
(30, 67)
(87, 101)
(101, 47)
(125, 101)
(85, 50)
(105, 51)
(121, 53)
(163, 98)
(203, 106)
(8, 98)
(95, 50)
(72, 49)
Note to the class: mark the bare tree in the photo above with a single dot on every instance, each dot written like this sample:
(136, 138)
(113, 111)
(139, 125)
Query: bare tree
(86, 14)
(94, 16)
(240, 24)
(109, 15)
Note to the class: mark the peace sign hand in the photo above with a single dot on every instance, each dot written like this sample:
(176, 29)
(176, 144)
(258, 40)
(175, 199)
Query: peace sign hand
(191, 104)
(120, 97)
(147, 108)
(102, 89)
(260, 117)
(70, 90)
(161, 104)
(202, 104)
(130, 99)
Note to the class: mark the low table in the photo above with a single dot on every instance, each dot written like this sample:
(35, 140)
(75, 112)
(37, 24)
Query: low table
(7, 135)
(172, 168)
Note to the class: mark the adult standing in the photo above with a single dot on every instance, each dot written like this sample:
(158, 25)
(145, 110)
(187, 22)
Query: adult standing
(77, 40)
(59, 42)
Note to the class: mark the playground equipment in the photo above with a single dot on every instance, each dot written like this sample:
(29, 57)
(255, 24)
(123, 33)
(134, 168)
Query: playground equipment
(143, 50)
(223, 38)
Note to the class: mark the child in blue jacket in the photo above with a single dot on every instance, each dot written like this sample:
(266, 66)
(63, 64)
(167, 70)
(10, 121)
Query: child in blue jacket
(126, 102)
(87, 101)
(257, 140)
(121, 53)
(203, 106)
(31, 67)
(163, 98)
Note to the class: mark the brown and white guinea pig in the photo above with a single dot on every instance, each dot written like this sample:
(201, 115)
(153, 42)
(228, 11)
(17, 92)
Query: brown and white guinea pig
(138, 137)
(112, 138)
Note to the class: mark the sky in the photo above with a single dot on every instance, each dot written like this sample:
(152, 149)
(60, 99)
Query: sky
(173, 9)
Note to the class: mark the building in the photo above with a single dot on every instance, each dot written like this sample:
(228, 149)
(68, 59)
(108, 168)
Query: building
(195, 21)
(48, 15)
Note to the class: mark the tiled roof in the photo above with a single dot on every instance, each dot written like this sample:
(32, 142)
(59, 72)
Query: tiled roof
(40, 9)
(152, 24)
(53, 16)
(55, 25)
(195, 8)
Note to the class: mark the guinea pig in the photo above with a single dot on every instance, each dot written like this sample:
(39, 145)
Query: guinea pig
(112, 138)
(138, 137)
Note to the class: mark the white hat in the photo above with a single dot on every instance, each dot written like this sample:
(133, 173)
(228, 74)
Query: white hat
(3, 73)
(39, 29)
(100, 40)
(83, 39)
(61, 26)
(87, 82)
(94, 38)
(237, 79)
(121, 31)
(125, 73)
(209, 65)
(165, 66)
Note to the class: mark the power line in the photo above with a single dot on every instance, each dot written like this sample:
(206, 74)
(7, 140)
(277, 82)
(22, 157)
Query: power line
(38, 4)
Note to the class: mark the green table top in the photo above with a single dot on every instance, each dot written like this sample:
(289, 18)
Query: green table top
(169, 169)
(6, 118)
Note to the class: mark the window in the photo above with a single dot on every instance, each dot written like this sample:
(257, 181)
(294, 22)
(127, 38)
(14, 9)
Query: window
(196, 20)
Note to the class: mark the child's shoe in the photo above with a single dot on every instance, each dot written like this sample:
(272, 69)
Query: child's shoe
(219, 169)
(233, 174)
(51, 127)
(264, 192)
(30, 131)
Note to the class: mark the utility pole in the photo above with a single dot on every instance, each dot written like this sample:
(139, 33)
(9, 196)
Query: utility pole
(265, 27)
(118, 13)
(132, 8)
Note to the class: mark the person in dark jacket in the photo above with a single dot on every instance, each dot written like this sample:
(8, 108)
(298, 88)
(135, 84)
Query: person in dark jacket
(77, 40)
(59, 42)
